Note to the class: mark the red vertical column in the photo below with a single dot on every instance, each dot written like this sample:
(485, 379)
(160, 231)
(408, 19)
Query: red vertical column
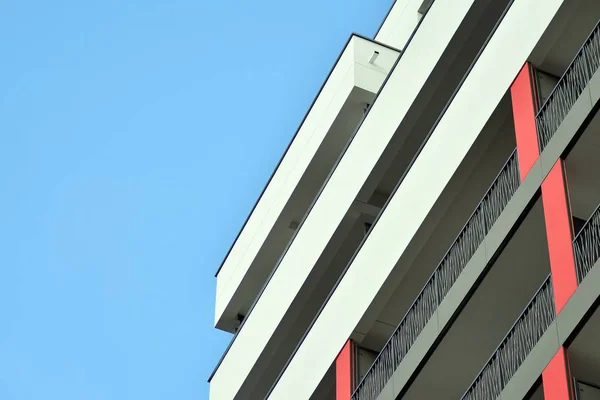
(557, 211)
(344, 372)
(556, 378)
(524, 104)
(557, 215)
(559, 232)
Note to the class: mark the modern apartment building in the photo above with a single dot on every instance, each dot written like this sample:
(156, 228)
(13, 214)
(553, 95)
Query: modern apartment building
(432, 231)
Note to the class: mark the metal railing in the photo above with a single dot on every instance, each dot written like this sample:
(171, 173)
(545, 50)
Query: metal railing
(515, 347)
(440, 282)
(586, 245)
(569, 88)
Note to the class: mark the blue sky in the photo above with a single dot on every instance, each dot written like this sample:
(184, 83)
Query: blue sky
(135, 136)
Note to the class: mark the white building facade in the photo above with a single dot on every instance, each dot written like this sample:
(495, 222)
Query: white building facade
(432, 230)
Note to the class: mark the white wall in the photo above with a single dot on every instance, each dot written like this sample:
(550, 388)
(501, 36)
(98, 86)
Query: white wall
(301, 152)
(400, 23)
(375, 133)
(367, 75)
(470, 110)
(378, 128)
(353, 70)
(284, 181)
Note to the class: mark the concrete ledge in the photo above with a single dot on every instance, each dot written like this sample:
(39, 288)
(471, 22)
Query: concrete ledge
(388, 392)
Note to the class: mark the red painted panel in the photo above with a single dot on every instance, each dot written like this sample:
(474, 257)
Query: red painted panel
(344, 364)
(523, 105)
(556, 378)
(557, 214)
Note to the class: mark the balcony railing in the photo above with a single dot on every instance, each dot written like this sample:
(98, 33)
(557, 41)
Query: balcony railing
(569, 87)
(517, 344)
(586, 245)
(440, 282)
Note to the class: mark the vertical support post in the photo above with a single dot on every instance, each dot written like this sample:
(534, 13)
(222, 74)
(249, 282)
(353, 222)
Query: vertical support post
(524, 104)
(344, 372)
(555, 197)
(556, 378)
(559, 232)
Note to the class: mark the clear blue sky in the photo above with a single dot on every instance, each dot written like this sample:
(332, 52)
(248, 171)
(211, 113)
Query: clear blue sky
(135, 137)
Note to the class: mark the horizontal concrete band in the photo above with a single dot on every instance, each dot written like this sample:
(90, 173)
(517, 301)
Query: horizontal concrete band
(575, 122)
(301, 376)
(328, 210)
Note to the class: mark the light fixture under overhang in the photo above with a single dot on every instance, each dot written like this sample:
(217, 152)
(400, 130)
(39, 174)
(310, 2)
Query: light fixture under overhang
(373, 57)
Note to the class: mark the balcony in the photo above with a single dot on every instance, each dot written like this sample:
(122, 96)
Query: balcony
(570, 86)
(440, 282)
(275, 222)
(369, 330)
(497, 377)
(516, 345)
(533, 323)
(581, 167)
(443, 278)
(535, 320)
(407, 138)
(320, 139)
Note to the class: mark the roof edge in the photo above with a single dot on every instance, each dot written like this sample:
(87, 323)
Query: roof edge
(350, 37)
